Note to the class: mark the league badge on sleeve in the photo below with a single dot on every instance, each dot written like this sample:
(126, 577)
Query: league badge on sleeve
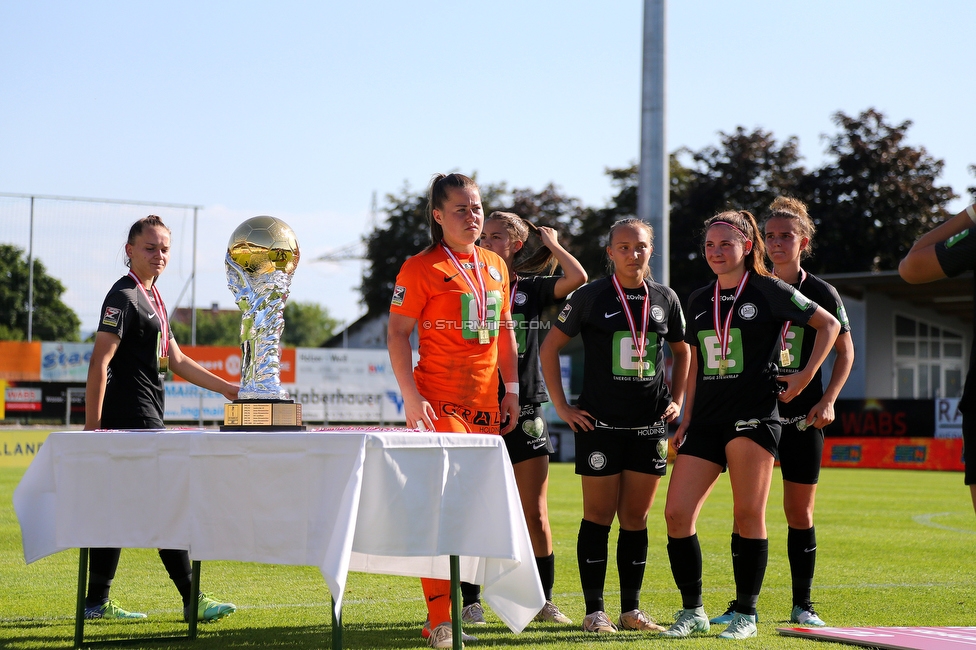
(111, 316)
(398, 293)
(564, 314)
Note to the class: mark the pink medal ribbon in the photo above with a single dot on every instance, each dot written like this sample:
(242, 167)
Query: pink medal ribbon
(159, 311)
(479, 291)
(640, 342)
(723, 331)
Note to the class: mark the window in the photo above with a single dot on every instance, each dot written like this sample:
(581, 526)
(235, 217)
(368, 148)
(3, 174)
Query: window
(928, 360)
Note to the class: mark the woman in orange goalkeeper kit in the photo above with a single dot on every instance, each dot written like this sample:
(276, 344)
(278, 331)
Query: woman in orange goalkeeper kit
(456, 295)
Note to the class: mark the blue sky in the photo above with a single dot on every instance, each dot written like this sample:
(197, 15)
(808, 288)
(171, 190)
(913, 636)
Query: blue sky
(303, 110)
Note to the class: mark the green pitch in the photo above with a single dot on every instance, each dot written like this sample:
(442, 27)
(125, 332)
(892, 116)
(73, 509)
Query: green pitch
(895, 548)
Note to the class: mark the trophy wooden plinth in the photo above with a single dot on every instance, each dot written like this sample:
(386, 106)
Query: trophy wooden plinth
(262, 415)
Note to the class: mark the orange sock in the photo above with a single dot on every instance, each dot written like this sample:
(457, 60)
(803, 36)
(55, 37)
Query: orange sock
(438, 596)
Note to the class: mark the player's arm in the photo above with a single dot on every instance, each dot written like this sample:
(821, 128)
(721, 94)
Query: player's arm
(679, 435)
(417, 410)
(575, 417)
(106, 344)
(574, 275)
(921, 264)
(822, 412)
(681, 355)
(508, 368)
(827, 329)
(194, 373)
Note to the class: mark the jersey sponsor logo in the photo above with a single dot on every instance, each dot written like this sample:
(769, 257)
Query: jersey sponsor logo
(800, 300)
(564, 314)
(111, 316)
(711, 352)
(398, 294)
(597, 460)
(469, 314)
(495, 274)
(610, 315)
(521, 332)
(470, 415)
(748, 311)
(657, 313)
(520, 297)
(794, 341)
(626, 363)
(842, 316)
(955, 239)
(746, 425)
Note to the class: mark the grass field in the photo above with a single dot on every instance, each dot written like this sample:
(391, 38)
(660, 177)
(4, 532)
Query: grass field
(895, 548)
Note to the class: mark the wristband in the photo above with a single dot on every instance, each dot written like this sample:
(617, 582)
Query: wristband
(971, 213)
(512, 387)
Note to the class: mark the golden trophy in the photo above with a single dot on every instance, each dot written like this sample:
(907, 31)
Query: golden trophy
(261, 259)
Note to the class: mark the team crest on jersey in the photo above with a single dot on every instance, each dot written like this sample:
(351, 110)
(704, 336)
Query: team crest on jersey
(657, 314)
(495, 274)
(748, 311)
(597, 460)
(564, 314)
(398, 293)
(520, 297)
(111, 316)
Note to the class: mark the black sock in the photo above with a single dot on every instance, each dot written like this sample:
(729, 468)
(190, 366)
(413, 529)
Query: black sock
(801, 548)
(547, 573)
(734, 544)
(470, 594)
(177, 564)
(753, 557)
(686, 567)
(631, 559)
(591, 553)
(102, 563)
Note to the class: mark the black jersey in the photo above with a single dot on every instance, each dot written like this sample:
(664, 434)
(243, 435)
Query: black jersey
(803, 337)
(748, 388)
(530, 296)
(955, 255)
(614, 391)
(134, 390)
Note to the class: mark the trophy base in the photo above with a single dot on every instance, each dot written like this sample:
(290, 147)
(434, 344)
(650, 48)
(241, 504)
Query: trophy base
(262, 415)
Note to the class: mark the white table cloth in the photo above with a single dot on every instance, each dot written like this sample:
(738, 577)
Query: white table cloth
(380, 502)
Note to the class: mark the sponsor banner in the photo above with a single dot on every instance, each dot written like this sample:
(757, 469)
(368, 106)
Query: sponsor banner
(225, 362)
(883, 417)
(894, 453)
(185, 402)
(948, 419)
(65, 361)
(23, 399)
(890, 638)
(20, 361)
(347, 385)
(18, 448)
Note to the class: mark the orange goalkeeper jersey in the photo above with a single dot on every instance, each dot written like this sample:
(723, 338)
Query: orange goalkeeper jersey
(453, 365)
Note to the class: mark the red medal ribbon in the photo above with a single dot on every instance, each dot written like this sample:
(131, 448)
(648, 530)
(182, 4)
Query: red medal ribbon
(786, 325)
(479, 290)
(159, 311)
(723, 332)
(639, 342)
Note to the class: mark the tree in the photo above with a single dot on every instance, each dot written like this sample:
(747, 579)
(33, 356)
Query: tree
(213, 328)
(307, 325)
(53, 320)
(875, 198)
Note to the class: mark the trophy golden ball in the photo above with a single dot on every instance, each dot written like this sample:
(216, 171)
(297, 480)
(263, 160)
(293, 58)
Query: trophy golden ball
(263, 245)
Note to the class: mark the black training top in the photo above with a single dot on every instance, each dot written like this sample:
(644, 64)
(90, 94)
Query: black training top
(955, 255)
(613, 392)
(134, 392)
(530, 296)
(748, 388)
(803, 336)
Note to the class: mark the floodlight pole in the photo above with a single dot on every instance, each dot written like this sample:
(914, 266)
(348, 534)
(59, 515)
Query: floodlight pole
(30, 277)
(652, 189)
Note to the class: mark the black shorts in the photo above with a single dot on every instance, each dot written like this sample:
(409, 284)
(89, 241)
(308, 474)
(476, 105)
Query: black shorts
(530, 437)
(800, 452)
(708, 440)
(608, 450)
(969, 446)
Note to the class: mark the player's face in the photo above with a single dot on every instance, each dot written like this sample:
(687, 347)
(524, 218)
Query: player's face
(461, 217)
(630, 252)
(725, 251)
(498, 240)
(784, 243)
(149, 253)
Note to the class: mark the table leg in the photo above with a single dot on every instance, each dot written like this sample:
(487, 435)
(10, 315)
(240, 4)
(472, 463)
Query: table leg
(80, 604)
(336, 628)
(194, 598)
(456, 602)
